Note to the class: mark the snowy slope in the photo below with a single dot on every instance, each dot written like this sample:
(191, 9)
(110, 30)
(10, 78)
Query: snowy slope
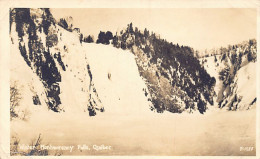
(26, 78)
(246, 85)
(235, 74)
(76, 85)
(26, 81)
(117, 79)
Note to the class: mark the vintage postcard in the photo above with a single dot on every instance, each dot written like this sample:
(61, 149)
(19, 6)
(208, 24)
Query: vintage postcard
(129, 80)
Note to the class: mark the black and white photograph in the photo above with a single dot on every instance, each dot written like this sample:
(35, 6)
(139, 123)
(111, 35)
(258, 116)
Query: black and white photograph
(132, 81)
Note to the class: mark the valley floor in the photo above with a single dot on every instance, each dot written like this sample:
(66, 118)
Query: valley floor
(215, 133)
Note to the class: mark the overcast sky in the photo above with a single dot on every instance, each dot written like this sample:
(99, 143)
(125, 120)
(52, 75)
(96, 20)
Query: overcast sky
(198, 28)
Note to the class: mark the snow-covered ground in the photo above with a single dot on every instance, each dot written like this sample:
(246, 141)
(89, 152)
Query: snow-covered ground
(221, 133)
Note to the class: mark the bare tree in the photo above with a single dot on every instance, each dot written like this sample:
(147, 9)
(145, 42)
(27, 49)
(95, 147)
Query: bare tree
(35, 151)
(15, 97)
(25, 114)
(14, 145)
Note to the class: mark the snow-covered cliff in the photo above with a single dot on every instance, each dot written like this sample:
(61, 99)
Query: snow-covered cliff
(53, 70)
(235, 71)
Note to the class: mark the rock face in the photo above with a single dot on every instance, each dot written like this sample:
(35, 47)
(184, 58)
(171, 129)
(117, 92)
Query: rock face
(234, 68)
(41, 43)
(174, 77)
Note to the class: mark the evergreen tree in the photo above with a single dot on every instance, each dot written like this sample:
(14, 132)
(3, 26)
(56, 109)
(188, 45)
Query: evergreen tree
(131, 30)
(104, 38)
(146, 33)
(89, 39)
(250, 56)
(201, 106)
(215, 58)
(63, 23)
(101, 37)
(108, 37)
(81, 38)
